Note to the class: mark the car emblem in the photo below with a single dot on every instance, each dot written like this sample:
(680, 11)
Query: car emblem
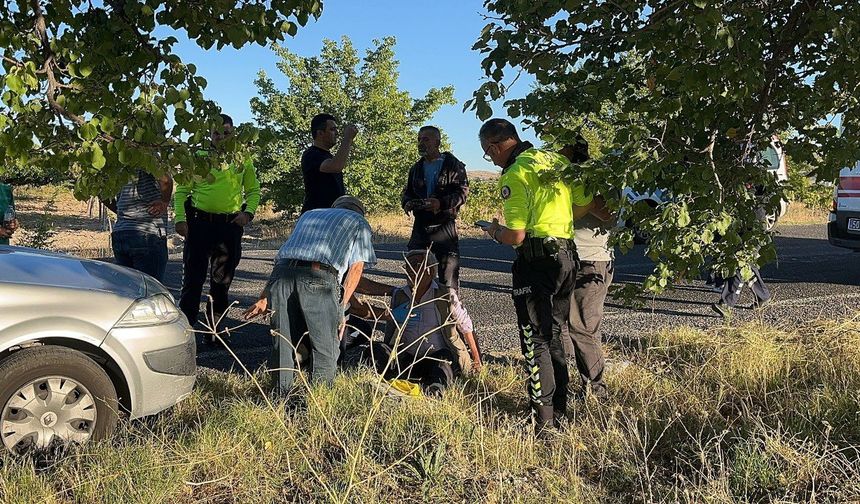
(49, 419)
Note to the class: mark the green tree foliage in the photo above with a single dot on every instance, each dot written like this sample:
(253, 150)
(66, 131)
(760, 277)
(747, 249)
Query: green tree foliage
(484, 201)
(694, 89)
(812, 192)
(93, 90)
(355, 90)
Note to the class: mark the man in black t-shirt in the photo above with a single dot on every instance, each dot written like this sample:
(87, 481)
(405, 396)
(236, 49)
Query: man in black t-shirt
(322, 172)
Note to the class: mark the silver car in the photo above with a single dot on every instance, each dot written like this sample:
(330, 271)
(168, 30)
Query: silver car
(81, 341)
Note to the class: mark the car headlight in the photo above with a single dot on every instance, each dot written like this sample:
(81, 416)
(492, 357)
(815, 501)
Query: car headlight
(153, 287)
(153, 310)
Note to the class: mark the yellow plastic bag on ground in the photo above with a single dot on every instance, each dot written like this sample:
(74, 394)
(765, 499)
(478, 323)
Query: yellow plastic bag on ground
(403, 388)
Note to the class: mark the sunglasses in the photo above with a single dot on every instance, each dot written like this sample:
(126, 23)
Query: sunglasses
(486, 152)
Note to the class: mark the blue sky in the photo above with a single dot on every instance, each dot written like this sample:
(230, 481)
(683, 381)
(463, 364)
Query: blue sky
(434, 41)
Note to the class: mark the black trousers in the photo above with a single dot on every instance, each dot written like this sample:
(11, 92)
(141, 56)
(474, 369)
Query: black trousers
(215, 247)
(593, 279)
(733, 287)
(445, 246)
(542, 291)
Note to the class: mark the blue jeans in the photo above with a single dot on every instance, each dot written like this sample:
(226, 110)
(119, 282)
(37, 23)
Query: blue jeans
(304, 299)
(144, 252)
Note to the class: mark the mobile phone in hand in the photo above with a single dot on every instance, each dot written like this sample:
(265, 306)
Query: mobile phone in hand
(483, 224)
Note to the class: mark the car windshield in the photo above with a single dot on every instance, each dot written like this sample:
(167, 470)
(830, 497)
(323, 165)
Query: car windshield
(771, 157)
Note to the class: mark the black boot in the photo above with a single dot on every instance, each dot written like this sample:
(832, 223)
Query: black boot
(544, 420)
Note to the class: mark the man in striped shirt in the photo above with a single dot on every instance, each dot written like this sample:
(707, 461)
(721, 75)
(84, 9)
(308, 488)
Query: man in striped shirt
(139, 238)
(316, 272)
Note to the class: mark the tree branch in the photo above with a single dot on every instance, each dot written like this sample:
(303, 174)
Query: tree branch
(709, 150)
(41, 29)
(788, 37)
(13, 61)
(662, 12)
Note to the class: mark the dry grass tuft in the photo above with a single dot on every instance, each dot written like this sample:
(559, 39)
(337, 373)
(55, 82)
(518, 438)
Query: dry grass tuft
(799, 213)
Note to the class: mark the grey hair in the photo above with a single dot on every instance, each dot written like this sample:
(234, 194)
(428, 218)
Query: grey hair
(430, 258)
(350, 203)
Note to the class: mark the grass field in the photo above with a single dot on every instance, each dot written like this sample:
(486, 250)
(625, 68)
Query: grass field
(736, 414)
(798, 213)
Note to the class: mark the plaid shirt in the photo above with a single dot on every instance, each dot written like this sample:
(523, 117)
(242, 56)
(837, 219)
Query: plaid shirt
(423, 332)
(6, 201)
(333, 236)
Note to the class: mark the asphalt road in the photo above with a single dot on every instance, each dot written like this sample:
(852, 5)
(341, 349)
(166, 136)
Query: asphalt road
(812, 279)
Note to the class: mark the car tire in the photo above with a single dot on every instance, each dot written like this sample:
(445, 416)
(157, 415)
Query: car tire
(51, 395)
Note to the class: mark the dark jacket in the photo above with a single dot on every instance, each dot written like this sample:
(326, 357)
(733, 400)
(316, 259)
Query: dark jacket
(452, 186)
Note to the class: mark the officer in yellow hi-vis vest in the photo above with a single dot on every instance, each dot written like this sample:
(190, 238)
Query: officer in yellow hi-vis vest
(539, 223)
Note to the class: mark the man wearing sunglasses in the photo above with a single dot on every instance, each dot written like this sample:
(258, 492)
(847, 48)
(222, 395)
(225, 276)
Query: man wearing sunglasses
(211, 215)
(539, 213)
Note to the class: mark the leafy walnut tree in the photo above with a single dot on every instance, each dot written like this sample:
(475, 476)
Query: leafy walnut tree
(355, 89)
(692, 92)
(93, 90)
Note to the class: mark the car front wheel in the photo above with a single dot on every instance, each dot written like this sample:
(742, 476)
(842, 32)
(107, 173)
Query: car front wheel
(770, 221)
(51, 396)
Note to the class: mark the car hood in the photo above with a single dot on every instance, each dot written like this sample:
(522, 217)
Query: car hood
(38, 267)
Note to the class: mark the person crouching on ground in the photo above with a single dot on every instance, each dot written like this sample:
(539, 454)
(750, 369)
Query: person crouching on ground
(429, 338)
(315, 273)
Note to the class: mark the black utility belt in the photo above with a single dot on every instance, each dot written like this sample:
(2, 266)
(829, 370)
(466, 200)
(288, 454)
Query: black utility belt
(533, 248)
(202, 215)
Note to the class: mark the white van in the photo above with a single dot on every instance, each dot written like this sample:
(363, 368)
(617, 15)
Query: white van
(843, 224)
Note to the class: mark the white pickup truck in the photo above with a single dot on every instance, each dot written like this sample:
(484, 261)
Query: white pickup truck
(843, 224)
(778, 166)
